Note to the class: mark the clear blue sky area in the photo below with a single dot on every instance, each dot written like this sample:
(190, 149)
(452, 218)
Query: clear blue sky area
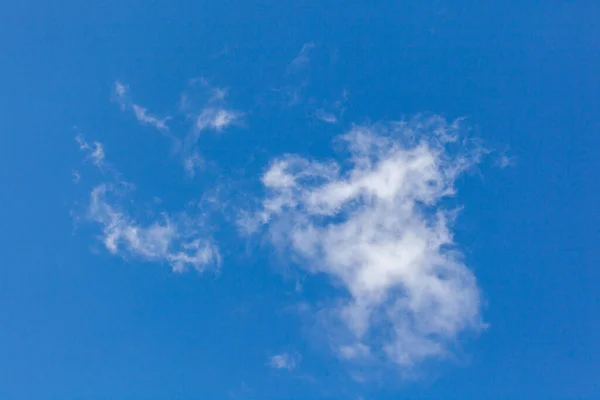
(300, 200)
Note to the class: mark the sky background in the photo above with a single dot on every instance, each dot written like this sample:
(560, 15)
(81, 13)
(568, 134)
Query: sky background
(77, 321)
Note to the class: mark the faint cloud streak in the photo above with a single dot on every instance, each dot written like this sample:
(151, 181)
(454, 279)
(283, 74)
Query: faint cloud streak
(284, 361)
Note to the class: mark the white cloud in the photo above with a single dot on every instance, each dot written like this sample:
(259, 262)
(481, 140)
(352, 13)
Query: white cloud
(284, 361)
(178, 241)
(95, 151)
(163, 240)
(216, 118)
(121, 96)
(144, 117)
(354, 351)
(203, 104)
(120, 89)
(325, 116)
(207, 107)
(376, 225)
(207, 104)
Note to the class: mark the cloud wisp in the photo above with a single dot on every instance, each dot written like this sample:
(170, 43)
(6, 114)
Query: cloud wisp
(216, 118)
(206, 106)
(284, 361)
(332, 112)
(326, 116)
(177, 240)
(302, 60)
(376, 225)
(121, 96)
(163, 240)
(95, 151)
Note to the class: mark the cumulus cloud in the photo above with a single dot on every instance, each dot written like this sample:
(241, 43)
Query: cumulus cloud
(284, 361)
(377, 226)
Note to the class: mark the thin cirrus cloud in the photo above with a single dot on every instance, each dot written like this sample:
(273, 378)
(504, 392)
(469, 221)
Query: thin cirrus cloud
(95, 151)
(332, 112)
(284, 361)
(121, 96)
(162, 240)
(206, 106)
(325, 116)
(379, 231)
(302, 60)
(176, 240)
(203, 104)
(145, 117)
(296, 78)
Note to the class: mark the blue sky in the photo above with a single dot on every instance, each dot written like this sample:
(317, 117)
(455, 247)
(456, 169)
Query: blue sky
(326, 200)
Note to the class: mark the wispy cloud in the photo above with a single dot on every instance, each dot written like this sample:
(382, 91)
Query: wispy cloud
(302, 60)
(177, 240)
(216, 118)
(296, 77)
(94, 151)
(203, 104)
(163, 240)
(379, 230)
(121, 96)
(332, 112)
(144, 117)
(355, 351)
(505, 161)
(206, 106)
(284, 361)
(192, 163)
(325, 116)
